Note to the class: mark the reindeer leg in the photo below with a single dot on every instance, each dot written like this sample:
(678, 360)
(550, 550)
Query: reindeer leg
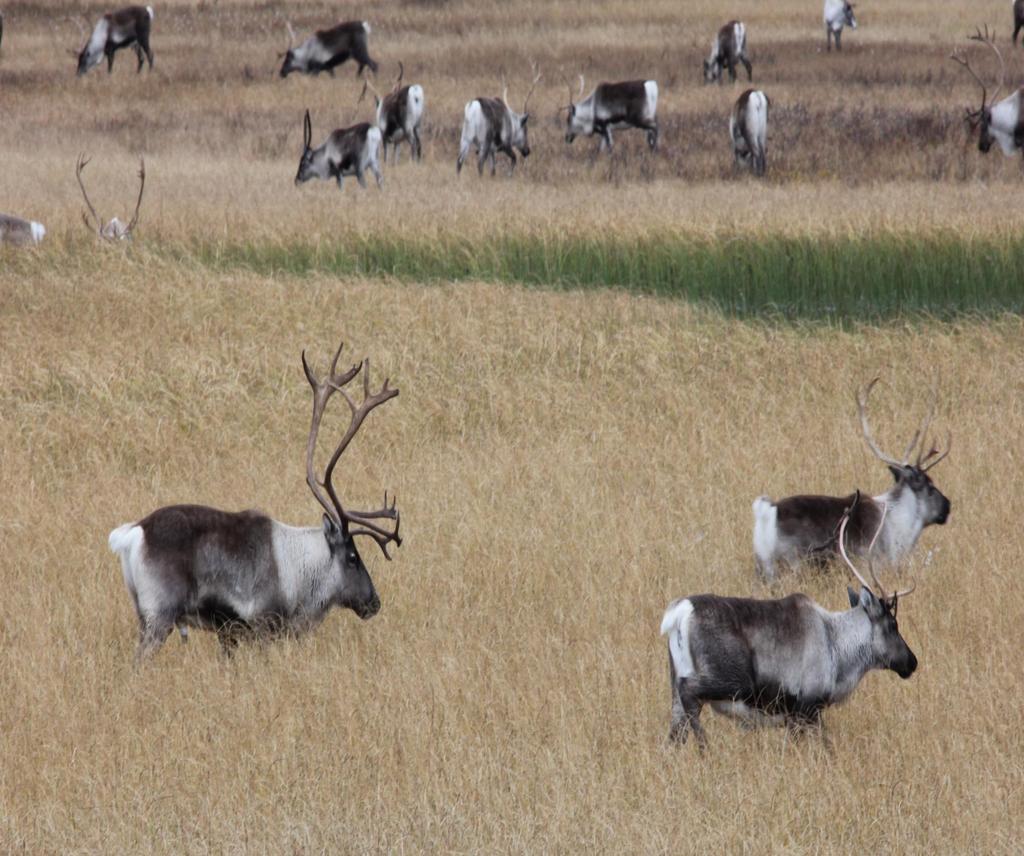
(110, 61)
(828, 38)
(153, 632)
(749, 68)
(838, 35)
(418, 146)
(139, 56)
(361, 177)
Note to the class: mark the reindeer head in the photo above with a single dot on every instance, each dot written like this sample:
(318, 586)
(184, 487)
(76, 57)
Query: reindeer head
(90, 55)
(115, 229)
(888, 648)
(289, 65)
(577, 124)
(310, 165)
(848, 17)
(932, 505)
(982, 117)
(354, 587)
(520, 136)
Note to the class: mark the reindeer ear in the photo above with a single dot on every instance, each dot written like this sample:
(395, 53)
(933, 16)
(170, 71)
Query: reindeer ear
(870, 603)
(898, 473)
(331, 530)
(854, 597)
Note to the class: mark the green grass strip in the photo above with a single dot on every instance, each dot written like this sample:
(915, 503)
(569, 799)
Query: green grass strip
(865, 279)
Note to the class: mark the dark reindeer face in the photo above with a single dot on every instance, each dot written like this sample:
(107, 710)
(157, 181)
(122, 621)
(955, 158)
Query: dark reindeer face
(933, 506)
(889, 649)
(712, 71)
(520, 136)
(849, 17)
(985, 137)
(306, 167)
(87, 59)
(355, 589)
(288, 66)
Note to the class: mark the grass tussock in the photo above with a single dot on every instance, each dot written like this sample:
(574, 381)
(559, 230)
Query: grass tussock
(565, 465)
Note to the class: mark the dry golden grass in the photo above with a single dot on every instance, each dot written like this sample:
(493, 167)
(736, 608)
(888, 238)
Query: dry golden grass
(870, 139)
(565, 465)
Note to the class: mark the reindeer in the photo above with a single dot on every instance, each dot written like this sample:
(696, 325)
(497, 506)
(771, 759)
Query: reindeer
(399, 114)
(998, 121)
(492, 126)
(347, 151)
(804, 528)
(128, 27)
(326, 49)
(1018, 19)
(630, 104)
(748, 129)
(837, 14)
(239, 573)
(115, 229)
(728, 48)
(18, 232)
(778, 662)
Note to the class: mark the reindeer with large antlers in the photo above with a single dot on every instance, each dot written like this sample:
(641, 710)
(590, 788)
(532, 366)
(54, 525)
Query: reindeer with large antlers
(115, 229)
(805, 528)
(243, 572)
(997, 121)
(399, 114)
(778, 662)
(492, 126)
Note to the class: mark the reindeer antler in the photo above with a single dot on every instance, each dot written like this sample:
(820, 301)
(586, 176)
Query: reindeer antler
(985, 38)
(878, 587)
(919, 435)
(536, 79)
(322, 391)
(79, 167)
(401, 74)
(291, 38)
(138, 202)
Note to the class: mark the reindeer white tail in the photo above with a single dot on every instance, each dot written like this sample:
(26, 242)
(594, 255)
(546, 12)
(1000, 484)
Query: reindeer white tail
(676, 624)
(38, 232)
(366, 27)
(766, 532)
(127, 542)
(150, 10)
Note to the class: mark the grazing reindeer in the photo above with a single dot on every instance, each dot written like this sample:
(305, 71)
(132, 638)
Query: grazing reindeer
(399, 114)
(18, 232)
(630, 104)
(492, 126)
(838, 14)
(748, 129)
(115, 229)
(347, 151)
(235, 572)
(326, 49)
(128, 27)
(728, 48)
(778, 662)
(1018, 19)
(999, 121)
(804, 528)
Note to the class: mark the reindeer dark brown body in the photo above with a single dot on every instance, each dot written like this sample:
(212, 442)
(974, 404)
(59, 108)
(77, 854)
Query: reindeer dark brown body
(399, 114)
(347, 151)
(728, 49)
(242, 572)
(492, 126)
(128, 27)
(629, 104)
(748, 130)
(327, 49)
(18, 232)
(805, 528)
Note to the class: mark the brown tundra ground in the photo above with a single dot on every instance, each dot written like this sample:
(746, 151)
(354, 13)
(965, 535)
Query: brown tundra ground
(565, 463)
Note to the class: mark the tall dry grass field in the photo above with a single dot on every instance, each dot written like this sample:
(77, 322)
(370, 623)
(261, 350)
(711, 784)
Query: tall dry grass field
(565, 463)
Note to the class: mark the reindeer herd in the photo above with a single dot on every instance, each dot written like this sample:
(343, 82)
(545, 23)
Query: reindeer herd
(491, 125)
